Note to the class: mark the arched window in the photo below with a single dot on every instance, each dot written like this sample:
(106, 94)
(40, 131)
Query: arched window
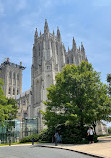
(17, 76)
(13, 91)
(10, 74)
(51, 44)
(67, 60)
(14, 75)
(71, 59)
(39, 49)
(57, 49)
(9, 92)
(48, 55)
(17, 91)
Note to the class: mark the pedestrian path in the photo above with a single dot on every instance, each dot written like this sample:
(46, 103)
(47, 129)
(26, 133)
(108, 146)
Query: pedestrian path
(101, 149)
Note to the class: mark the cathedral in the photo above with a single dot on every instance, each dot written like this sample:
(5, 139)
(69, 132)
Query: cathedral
(49, 57)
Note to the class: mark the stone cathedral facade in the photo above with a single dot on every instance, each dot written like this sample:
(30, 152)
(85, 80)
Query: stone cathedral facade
(49, 57)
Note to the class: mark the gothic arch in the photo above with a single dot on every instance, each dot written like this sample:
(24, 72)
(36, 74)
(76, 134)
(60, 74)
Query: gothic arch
(10, 74)
(71, 59)
(67, 60)
(38, 90)
(14, 75)
(13, 91)
(48, 80)
(9, 92)
(17, 76)
(37, 81)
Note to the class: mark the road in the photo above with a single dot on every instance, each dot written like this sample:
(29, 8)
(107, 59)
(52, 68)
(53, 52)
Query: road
(37, 152)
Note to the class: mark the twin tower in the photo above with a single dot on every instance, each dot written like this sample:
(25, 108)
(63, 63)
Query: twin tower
(49, 57)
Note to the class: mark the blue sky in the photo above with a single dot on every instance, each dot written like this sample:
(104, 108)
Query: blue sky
(88, 21)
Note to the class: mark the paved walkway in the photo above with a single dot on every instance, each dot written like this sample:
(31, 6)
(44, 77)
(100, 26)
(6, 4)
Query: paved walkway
(101, 149)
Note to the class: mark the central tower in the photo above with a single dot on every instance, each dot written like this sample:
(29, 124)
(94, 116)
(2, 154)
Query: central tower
(49, 57)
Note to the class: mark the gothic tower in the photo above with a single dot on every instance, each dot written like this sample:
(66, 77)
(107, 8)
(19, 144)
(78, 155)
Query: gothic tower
(49, 57)
(12, 77)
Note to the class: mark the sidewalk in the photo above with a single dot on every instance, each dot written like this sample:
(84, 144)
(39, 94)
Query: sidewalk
(101, 149)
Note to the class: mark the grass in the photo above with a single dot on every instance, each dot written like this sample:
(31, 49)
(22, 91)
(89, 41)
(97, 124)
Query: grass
(15, 143)
(22, 143)
(104, 135)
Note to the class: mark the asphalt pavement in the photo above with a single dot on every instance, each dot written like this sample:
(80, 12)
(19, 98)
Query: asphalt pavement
(102, 149)
(37, 152)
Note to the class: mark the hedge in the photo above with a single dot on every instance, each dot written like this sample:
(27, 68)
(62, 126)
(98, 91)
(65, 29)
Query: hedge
(69, 136)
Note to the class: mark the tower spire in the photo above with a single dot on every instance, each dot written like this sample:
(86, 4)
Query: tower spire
(82, 48)
(74, 41)
(58, 35)
(74, 44)
(36, 35)
(46, 28)
(68, 48)
(53, 33)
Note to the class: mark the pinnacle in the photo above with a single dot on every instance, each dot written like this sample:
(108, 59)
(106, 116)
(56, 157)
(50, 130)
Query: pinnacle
(53, 32)
(81, 44)
(36, 33)
(46, 28)
(74, 43)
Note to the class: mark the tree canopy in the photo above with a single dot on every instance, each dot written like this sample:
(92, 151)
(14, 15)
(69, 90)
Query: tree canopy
(78, 97)
(8, 107)
(109, 81)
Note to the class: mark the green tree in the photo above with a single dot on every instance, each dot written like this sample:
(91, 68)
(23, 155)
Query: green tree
(109, 81)
(109, 130)
(77, 98)
(8, 107)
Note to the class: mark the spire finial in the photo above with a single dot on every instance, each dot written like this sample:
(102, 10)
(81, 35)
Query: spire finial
(74, 44)
(73, 41)
(36, 33)
(7, 59)
(68, 48)
(82, 48)
(82, 45)
(58, 34)
(46, 28)
(79, 49)
(53, 32)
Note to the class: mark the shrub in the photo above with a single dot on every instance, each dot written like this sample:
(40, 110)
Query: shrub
(109, 130)
(69, 135)
(44, 135)
(29, 138)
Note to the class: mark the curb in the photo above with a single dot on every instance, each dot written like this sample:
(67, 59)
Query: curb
(71, 150)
